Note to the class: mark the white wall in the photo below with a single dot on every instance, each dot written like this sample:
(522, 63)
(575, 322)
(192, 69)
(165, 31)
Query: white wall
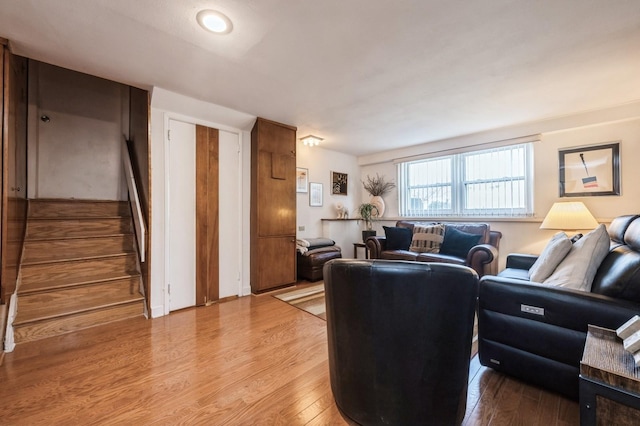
(595, 127)
(166, 104)
(320, 162)
(76, 154)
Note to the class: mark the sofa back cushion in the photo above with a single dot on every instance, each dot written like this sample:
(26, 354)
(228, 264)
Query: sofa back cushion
(618, 227)
(619, 273)
(470, 228)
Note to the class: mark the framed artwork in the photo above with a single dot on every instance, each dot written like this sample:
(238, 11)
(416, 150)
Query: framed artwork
(302, 178)
(315, 194)
(339, 183)
(590, 170)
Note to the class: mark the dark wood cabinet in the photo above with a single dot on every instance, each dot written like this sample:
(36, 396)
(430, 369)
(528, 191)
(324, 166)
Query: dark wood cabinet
(273, 205)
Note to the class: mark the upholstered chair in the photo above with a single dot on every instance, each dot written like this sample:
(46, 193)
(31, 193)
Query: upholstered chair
(399, 338)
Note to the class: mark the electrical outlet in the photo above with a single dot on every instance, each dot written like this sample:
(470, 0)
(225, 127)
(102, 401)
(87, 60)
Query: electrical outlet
(301, 228)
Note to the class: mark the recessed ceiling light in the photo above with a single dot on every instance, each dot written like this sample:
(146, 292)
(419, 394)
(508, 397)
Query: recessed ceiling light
(214, 21)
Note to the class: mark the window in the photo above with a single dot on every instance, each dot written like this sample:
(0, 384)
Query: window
(492, 182)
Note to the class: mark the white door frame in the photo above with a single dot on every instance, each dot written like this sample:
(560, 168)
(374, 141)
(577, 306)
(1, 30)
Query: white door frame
(195, 121)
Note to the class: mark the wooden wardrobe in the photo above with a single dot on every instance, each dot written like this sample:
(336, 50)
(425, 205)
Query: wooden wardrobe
(273, 205)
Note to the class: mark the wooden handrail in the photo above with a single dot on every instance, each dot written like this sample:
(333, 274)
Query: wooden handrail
(134, 200)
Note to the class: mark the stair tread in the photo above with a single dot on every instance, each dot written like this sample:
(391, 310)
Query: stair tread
(42, 306)
(57, 257)
(58, 284)
(70, 323)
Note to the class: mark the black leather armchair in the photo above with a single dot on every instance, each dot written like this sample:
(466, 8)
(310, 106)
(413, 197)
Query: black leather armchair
(537, 333)
(400, 337)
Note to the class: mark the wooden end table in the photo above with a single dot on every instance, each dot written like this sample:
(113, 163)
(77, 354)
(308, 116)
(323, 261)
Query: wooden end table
(356, 246)
(609, 381)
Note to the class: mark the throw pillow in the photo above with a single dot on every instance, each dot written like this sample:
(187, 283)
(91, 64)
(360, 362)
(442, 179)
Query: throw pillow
(397, 238)
(458, 243)
(427, 239)
(578, 269)
(555, 251)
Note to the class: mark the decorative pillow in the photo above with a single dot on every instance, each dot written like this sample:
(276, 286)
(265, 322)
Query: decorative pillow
(556, 250)
(427, 239)
(397, 238)
(578, 269)
(458, 243)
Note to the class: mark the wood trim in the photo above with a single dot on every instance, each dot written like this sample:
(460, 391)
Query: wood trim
(207, 215)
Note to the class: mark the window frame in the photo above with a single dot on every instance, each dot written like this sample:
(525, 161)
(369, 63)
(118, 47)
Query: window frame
(459, 184)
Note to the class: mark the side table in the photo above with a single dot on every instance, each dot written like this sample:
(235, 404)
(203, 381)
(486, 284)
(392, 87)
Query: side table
(356, 246)
(609, 381)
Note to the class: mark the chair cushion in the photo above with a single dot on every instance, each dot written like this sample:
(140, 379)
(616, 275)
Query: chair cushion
(556, 250)
(397, 238)
(427, 239)
(578, 269)
(458, 243)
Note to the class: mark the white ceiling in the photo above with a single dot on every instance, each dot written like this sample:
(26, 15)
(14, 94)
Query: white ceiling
(366, 75)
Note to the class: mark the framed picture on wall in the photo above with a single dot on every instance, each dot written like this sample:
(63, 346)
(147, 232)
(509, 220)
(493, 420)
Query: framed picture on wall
(339, 183)
(590, 170)
(315, 194)
(302, 178)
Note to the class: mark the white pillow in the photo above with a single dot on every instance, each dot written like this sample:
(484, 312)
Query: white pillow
(578, 269)
(555, 251)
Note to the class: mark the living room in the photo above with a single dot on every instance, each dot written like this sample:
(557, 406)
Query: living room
(577, 90)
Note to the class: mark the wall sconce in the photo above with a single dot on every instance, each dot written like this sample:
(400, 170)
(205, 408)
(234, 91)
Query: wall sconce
(311, 140)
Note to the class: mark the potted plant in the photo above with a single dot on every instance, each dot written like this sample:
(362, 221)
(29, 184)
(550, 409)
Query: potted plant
(376, 187)
(367, 213)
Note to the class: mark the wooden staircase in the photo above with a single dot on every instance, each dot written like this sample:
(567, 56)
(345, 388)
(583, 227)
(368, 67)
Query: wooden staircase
(79, 268)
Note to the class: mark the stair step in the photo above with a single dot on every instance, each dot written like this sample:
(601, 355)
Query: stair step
(38, 229)
(70, 323)
(52, 208)
(69, 301)
(39, 251)
(76, 272)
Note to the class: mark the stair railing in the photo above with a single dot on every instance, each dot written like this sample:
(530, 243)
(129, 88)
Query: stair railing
(134, 200)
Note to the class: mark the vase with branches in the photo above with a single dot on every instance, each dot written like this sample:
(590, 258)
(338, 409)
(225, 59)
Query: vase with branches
(377, 187)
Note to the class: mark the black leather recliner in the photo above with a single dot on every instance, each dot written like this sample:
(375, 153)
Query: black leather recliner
(399, 337)
(537, 333)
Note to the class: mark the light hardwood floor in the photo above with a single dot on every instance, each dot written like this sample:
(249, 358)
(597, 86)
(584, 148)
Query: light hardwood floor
(253, 360)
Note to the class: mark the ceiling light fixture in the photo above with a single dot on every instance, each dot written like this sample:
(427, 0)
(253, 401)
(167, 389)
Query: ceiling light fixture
(311, 140)
(214, 21)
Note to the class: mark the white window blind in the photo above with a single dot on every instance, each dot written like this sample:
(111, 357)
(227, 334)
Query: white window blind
(490, 182)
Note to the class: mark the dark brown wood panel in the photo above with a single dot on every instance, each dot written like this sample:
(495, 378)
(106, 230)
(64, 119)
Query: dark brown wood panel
(139, 147)
(207, 215)
(14, 169)
(273, 205)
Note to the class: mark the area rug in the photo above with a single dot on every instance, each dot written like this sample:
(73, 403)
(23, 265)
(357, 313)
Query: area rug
(311, 299)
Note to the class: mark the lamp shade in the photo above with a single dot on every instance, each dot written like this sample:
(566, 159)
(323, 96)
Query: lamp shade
(569, 216)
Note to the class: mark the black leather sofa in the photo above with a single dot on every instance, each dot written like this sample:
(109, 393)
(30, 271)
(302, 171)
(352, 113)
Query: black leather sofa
(399, 339)
(537, 333)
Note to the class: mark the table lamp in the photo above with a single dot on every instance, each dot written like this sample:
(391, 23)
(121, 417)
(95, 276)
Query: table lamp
(569, 216)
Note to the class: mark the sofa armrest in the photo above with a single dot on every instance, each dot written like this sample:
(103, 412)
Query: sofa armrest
(521, 261)
(376, 245)
(481, 255)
